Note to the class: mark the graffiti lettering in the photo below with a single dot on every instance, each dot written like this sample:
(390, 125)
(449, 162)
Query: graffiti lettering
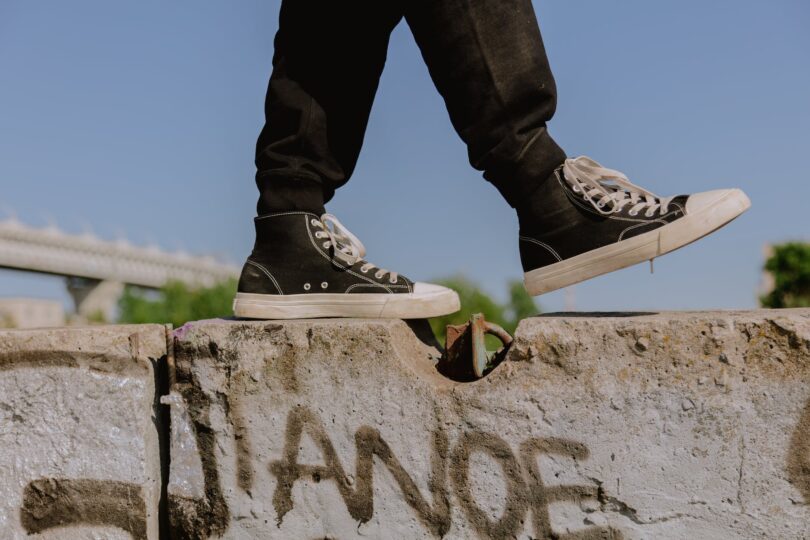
(50, 502)
(798, 463)
(522, 496)
(516, 504)
(360, 499)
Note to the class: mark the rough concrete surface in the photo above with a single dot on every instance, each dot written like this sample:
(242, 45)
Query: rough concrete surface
(659, 426)
(79, 452)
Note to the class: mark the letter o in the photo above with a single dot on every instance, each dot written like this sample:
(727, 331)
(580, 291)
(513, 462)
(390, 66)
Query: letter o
(516, 506)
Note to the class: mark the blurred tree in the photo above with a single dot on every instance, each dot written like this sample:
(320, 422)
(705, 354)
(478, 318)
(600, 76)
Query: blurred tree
(790, 267)
(7, 321)
(473, 300)
(520, 305)
(177, 303)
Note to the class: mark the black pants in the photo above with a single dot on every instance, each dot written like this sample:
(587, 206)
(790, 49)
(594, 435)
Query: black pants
(486, 58)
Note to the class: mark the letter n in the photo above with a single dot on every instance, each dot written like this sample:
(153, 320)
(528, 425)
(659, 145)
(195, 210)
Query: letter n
(360, 499)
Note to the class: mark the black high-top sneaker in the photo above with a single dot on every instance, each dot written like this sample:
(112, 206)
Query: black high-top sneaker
(306, 266)
(600, 222)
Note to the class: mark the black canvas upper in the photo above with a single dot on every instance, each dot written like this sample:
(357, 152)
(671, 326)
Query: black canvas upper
(288, 258)
(570, 225)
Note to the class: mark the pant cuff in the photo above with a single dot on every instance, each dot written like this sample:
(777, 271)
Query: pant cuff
(531, 171)
(281, 193)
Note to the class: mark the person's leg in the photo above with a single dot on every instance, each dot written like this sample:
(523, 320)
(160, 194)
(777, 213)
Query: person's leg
(577, 219)
(329, 55)
(327, 64)
(487, 60)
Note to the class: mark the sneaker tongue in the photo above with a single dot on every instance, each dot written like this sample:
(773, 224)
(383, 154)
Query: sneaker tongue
(679, 200)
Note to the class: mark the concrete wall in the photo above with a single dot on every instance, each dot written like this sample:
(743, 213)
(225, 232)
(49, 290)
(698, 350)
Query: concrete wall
(689, 425)
(660, 426)
(79, 449)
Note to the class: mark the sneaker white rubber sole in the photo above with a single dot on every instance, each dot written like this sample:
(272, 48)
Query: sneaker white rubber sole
(426, 301)
(705, 213)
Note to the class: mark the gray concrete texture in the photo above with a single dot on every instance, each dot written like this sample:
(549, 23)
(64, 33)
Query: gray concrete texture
(642, 426)
(672, 425)
(79, 449)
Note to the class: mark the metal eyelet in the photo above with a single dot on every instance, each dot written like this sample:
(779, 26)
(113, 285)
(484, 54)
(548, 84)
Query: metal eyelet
(364, 270)
(314, 222)
(393, 281)
(632, 213)
(326, 245)
(324, 285)
(307, 286)
(378, 275)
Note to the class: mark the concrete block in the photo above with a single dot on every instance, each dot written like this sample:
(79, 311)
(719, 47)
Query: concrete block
(79, 451)
(638, 426)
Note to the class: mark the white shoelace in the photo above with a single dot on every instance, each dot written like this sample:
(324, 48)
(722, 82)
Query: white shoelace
(347, 247)
(609, 191)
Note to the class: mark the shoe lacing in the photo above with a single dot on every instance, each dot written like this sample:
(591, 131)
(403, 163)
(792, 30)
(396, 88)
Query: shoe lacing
(346, 246)
(609, 191)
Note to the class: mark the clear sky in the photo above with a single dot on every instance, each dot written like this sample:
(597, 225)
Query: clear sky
(139, 119)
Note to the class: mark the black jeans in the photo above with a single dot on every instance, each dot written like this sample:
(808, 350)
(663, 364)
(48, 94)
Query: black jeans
(486, 58)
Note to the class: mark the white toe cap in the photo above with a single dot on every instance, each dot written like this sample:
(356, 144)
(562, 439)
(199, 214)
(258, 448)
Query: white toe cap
(447, 298)
(699, 202)
(430, 288)
(427, 300)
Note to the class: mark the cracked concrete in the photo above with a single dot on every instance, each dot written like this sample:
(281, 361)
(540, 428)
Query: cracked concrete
(79, 452)
(596, 426)
(665, 426)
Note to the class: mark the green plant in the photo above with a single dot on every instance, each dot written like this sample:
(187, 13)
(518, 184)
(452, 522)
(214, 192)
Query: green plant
(177, 303)
(7, 321)
(789, 265)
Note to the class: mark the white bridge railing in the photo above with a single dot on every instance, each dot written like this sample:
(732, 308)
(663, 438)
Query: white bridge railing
(51, 251)
(96, 269)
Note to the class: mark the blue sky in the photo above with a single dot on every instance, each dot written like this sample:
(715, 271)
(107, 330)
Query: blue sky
(139, 119)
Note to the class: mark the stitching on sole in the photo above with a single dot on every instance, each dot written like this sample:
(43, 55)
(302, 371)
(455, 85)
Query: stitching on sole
(621, 236)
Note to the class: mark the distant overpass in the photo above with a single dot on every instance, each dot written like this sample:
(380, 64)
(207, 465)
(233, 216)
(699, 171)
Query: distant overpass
(96, 269)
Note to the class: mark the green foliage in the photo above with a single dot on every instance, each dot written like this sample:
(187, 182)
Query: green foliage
(790, 267)
(519, 306)
(7, 321)
(177, 303)
(97, 317)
